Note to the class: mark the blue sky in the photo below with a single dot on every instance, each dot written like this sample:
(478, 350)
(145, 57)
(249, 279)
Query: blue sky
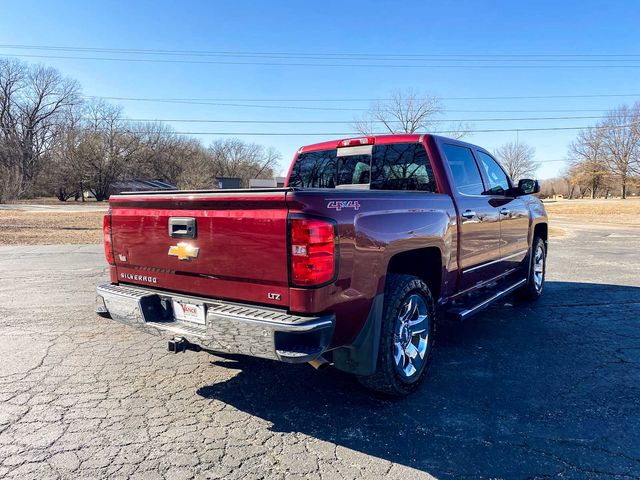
(492, 27)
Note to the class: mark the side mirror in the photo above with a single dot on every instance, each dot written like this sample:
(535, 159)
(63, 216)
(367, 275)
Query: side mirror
(528, 186)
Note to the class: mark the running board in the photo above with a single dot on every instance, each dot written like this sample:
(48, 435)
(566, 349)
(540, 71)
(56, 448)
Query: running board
(462, 313)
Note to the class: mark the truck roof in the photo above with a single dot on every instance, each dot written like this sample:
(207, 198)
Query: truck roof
(384, 139)
(378, 139)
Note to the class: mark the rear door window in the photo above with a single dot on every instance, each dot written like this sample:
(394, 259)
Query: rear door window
(464, 169)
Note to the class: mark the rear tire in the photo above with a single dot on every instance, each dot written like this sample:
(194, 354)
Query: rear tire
(537, 271)
(406, 337)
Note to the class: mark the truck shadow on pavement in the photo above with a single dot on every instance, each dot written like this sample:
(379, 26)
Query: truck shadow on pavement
(520, 390)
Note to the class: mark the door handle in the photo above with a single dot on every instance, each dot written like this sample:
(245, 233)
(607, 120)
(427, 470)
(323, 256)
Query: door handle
(505, 211)
(468, 214)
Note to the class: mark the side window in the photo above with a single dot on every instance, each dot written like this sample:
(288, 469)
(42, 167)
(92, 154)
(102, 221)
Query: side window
(402, 166)
(465, 171)
(498, 181)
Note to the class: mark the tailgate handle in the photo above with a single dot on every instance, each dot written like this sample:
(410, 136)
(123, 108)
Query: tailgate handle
(182, 227)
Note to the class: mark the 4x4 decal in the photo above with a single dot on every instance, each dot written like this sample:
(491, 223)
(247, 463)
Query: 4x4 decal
(340, 204)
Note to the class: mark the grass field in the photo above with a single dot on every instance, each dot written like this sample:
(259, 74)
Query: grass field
(77, 227)
(44, 228)
(620, 212)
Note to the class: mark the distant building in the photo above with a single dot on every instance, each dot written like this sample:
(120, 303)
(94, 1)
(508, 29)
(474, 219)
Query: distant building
(139, 186)
(262, 183)
(276, 182)
(228, 182)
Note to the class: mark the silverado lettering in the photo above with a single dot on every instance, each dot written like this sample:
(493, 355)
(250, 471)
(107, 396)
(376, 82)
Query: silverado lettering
(371, 242)
(138, 278)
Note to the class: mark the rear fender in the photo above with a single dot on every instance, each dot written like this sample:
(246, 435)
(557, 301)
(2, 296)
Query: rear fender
(408, 230)
(389, 233)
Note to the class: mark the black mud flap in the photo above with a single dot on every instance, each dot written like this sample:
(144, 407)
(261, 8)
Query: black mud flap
(361, 357)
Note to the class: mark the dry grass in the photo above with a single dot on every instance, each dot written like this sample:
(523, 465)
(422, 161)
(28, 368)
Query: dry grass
(620, 212)
(557, 232)
(50, 201)
(45, 228)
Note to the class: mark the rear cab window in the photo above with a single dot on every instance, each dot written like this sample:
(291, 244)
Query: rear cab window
(395, 166)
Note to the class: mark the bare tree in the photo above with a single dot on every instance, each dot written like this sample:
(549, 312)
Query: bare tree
(62, 172)
(106, 148)
(589, 164)
(196, 167)
(572, 180)
(34, 101)
(517, 158)
(160, 153)
(234, 158)
(458, 130)
(621, 143)
(405, 112)
(228, 158)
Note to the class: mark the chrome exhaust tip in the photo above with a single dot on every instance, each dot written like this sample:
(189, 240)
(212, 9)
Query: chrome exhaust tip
(319, 363)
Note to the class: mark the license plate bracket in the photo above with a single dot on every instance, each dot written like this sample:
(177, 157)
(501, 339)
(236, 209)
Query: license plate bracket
(189, 311)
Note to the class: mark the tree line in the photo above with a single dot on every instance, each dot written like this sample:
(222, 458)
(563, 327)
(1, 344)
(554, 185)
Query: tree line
(54, 141)
(604, 159)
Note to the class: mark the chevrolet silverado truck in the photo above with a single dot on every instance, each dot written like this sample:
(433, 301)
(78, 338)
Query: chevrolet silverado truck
(370, 242)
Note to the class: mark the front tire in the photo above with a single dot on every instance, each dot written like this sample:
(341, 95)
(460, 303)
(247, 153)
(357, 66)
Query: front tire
(537, 271)
(406, 337)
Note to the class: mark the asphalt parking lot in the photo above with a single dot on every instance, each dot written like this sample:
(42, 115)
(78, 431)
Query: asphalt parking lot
(521, 391)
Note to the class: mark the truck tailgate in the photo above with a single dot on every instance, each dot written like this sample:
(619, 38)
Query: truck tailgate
(240, 240)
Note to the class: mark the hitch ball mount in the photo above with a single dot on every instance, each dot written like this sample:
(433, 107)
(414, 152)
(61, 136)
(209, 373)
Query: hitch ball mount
(181, 344)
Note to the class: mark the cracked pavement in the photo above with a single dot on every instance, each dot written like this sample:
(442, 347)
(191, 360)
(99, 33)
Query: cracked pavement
(546, 390)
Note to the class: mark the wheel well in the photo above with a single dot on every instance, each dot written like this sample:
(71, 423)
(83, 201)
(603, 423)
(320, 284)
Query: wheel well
(424, 263)
(541, 230)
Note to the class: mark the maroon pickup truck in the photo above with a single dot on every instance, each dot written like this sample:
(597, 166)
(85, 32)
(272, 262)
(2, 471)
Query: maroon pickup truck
(370, 242)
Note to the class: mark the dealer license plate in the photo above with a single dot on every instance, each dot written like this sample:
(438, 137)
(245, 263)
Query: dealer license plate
(189, 312)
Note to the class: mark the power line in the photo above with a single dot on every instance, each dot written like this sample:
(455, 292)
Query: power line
(324, 55)
(217, 104)
(332, 65)
(298, 107)
(516, 97)
(529, 111)
(351, 133)
(186, 101)
(349, 122)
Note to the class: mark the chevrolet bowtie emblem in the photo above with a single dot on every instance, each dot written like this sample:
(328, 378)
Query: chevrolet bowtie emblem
(183, 251)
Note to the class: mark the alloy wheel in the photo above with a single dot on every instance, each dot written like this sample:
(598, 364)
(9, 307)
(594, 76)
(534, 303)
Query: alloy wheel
(538, 268)
(411, 337)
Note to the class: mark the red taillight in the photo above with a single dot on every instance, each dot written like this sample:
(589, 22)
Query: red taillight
(313, 251)
(106, 238)
(351, 142)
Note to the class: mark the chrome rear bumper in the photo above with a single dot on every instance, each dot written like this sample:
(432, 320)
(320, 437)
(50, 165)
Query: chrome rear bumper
(229, 327)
